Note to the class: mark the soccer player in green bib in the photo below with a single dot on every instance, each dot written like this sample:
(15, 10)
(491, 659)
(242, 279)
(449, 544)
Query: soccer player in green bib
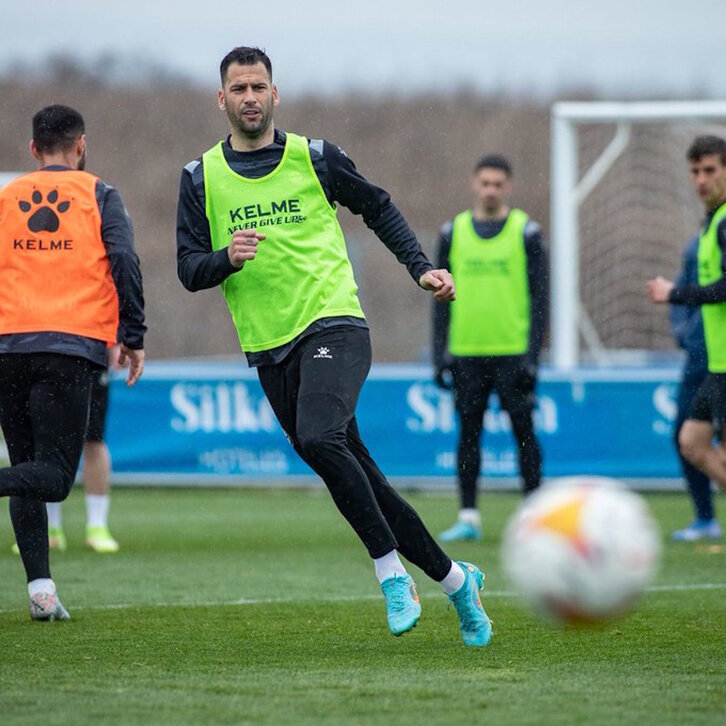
(257, 215)
(489, 339)
(705, 423)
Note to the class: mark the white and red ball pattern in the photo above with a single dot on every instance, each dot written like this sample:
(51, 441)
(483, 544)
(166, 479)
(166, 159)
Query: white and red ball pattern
(581, 549)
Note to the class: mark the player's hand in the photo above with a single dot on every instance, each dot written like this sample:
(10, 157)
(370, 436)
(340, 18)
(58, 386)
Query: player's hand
(440, 282)
(659, 289)
(135, 359)
(112, 355)
(527, 378)
(243, 246)
(444, 378)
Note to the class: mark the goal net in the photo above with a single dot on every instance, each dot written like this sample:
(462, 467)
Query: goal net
(622, 211)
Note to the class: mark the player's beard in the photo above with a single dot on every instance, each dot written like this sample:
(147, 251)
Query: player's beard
(251, 129)
(493, 209)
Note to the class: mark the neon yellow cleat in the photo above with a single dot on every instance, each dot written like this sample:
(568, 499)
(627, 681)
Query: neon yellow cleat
(57, 539)
(99, 539)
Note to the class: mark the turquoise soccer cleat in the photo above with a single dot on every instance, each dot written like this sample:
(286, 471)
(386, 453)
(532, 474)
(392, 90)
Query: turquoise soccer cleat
(476, 628)
(698, 530)
(461, 531)
(402, 604)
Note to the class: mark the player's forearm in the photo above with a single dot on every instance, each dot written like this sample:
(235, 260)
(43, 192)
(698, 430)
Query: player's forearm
(351, 189)
(538, 281)
(539, 313)
(702, 294)
(392, 229)
(198, 267)
(699, 294)
(441, 316)
(537, 329)
(118, 238)
(126, 274)
(201, 270)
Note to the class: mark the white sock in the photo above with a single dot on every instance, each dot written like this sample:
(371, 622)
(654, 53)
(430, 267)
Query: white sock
(54, 515)
(388, 566)
(97, 510)
(454, 580)
(42, 584)
(470, 516)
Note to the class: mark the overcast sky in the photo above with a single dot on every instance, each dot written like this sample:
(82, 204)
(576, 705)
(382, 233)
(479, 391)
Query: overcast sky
(537, 47)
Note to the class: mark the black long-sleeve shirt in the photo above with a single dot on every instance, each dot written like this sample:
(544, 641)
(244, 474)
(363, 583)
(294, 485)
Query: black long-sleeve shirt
(537, 279)
(118, 237)
(705, 294)
(199, 267)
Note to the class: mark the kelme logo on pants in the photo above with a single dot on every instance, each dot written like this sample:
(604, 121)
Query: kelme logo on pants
(323, 353)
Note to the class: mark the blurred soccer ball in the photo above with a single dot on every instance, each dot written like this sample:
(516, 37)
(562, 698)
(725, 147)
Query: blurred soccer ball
(581, 549)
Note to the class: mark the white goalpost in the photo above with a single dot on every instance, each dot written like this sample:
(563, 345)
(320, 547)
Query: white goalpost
(571, 185)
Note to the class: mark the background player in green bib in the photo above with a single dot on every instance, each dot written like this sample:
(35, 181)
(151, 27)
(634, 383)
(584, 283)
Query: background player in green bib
(707, 159)
(257, 216)
(490, 338)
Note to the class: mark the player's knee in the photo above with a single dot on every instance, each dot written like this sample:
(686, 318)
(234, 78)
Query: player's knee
(65, 484)
(691, 446)
(316, 444)
(93, 448)
(58, 479)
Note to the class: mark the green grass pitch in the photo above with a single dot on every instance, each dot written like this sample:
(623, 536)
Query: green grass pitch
(245, 607)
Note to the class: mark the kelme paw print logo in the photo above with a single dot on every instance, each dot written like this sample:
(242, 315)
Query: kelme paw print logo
(45, 218)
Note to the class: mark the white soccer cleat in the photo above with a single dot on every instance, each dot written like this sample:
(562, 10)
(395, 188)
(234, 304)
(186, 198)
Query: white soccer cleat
(45, 606)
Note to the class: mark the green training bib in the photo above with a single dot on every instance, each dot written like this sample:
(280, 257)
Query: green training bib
(491, 313)
(714, 316)
(302, 271)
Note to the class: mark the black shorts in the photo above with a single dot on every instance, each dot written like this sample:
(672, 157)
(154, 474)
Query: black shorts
(709, 403)
(475, 378)
(99, 405)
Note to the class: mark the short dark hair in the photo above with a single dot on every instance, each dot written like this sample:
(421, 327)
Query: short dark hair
(57, 128)
(705, 146)
(245, 56)
(494, 161)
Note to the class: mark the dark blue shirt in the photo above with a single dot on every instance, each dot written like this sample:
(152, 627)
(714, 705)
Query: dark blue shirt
(686, 320)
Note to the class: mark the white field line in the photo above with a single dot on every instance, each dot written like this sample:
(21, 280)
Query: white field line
(342, 598)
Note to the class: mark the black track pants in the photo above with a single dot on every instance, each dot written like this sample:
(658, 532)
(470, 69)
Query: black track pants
(474, 381)
(44, 399)
(313, 393)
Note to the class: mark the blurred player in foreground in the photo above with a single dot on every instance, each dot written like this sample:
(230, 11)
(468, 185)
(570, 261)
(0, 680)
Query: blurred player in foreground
(490, 337)
(687, 329)
(71, 285)
(707, 159)
(257, 215)
(96, 472)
